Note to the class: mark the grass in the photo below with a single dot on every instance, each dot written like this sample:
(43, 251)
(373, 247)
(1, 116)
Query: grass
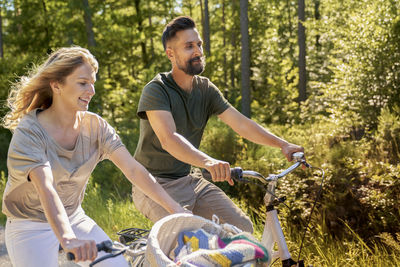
(114, 213)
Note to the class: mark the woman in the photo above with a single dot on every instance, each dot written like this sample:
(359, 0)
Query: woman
(56, 144)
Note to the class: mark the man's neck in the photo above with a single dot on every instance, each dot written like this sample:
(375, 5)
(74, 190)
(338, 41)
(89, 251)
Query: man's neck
(182, 79)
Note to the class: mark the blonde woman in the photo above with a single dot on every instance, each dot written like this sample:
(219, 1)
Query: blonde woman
(56, 144)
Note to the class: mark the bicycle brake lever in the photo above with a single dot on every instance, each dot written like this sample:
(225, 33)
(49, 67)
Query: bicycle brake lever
(299, 157)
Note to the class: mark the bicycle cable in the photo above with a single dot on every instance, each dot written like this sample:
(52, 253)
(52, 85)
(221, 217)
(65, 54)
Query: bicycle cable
(269, 192)
(312, 209)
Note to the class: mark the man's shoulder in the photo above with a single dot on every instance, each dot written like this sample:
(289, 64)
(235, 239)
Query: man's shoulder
(201, 80)
(205, 83)
(159, 80)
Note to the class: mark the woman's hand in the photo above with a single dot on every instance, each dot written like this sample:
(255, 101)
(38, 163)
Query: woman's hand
(83, 250)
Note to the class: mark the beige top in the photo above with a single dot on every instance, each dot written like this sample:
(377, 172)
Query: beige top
(31, 146)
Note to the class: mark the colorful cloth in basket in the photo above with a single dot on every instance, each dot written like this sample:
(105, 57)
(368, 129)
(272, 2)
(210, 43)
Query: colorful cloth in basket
(199, 248)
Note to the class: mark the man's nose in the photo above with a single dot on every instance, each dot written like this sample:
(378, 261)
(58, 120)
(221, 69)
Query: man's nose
(198, 51)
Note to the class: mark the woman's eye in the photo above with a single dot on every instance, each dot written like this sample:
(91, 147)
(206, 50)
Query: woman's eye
(83, 84)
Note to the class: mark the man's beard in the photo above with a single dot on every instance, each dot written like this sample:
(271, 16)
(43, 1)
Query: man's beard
(194, 69)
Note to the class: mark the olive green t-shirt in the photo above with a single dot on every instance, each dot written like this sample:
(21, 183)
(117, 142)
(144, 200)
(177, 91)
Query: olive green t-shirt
(190, 111)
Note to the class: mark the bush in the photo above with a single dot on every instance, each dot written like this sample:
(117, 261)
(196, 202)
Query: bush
(361, 187)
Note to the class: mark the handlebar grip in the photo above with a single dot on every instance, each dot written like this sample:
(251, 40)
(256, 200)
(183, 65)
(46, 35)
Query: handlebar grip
(70, 256)
(298, 156)
(236, 174)
(103, 246)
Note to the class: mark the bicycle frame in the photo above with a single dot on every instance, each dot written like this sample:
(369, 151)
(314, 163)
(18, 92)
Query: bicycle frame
(273, 232)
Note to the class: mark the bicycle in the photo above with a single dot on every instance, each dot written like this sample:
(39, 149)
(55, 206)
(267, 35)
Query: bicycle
(133, 241)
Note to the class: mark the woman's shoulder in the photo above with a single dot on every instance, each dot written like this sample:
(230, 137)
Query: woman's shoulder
(92, 117)
(29, 122)
(94, 121)
(29, 131)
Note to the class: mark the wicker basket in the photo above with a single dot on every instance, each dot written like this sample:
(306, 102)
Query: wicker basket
(164, 234)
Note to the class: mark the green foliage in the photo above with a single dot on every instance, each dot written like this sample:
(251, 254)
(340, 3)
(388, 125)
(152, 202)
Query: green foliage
(359, 190)
(363, 56)
(349, 125)
(3, 181)
(112, 212)
(387, 141)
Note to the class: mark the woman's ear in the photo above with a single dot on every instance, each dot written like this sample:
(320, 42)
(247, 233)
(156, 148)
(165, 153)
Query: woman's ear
(55, 87)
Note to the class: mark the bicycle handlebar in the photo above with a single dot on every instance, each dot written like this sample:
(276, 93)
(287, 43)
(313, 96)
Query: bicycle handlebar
(106, 246)
(239, 175)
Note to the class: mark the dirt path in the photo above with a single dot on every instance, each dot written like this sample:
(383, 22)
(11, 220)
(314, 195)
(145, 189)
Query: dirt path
(5, 260)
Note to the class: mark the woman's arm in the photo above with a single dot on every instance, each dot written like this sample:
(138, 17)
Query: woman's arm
(140, 177)
(42, 179)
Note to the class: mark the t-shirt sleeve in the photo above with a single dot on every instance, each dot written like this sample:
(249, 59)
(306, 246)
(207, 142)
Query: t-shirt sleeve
(153, 97)
(27, 151)
(109, 139)
(218, 103)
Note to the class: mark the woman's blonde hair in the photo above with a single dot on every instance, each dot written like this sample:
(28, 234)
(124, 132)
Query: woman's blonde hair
(34, 91)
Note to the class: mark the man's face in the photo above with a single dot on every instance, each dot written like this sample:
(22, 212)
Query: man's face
(186, 52)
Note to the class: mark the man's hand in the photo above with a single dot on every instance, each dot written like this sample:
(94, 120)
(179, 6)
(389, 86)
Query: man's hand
(220, 171)
(288, 149)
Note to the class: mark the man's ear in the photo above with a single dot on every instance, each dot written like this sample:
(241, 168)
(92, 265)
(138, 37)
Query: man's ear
(55, 87)
(169, 52)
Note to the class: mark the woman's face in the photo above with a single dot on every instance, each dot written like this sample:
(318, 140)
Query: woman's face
(78, 88)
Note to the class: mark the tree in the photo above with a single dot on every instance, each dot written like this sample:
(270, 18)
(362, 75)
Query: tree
(207, 29)
(317, 16)
(88, 23)
(224, 45)
(140, 28)
(1, 36)
(245, 58)
(302, 52)
(233, 47)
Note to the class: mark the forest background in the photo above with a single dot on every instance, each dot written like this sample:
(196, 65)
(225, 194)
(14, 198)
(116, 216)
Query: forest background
(324, 74)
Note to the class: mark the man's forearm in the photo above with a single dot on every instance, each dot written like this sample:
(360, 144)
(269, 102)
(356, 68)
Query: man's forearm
(257, 134)
(183, 150)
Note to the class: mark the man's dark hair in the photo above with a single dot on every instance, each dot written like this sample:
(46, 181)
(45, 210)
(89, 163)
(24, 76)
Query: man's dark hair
(178, 24)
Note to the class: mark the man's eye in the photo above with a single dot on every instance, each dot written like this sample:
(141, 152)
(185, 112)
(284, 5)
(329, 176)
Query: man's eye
(82, 83)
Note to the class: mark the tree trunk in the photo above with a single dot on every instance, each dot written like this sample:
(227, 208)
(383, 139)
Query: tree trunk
(245, 58)
(233, 44)
(224, 49)
(290, 28)
(202, 19)
(151, 37)
(1, 36)
(88, 23)
(302, 52)
(140, 28)
(46, 27)
(190, 8)
(317, 17)
(207, 29)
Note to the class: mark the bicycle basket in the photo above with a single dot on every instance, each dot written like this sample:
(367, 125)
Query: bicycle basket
(164, 234)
